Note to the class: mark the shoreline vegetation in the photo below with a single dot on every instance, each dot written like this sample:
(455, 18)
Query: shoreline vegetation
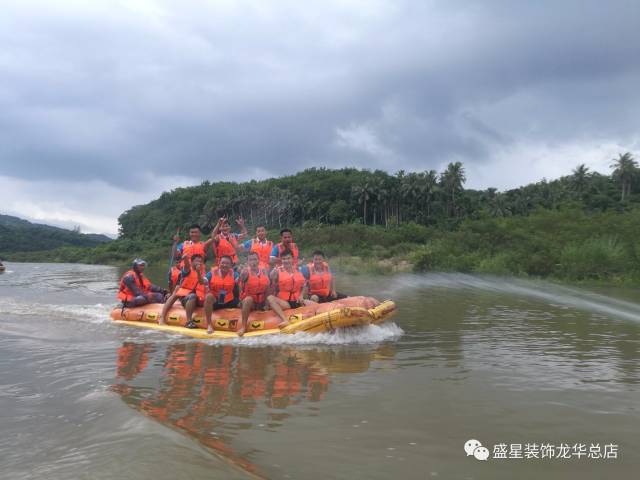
(581, 228)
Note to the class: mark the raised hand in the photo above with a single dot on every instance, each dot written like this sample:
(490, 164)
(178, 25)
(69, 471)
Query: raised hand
(176, 237)
(240, 221)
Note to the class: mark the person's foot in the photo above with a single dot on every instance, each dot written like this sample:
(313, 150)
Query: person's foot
(210, 330)
(190, 324)
(161, 322)
(283, 324)
(240, 332)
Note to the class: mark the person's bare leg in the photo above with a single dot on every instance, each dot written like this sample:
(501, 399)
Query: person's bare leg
(247, 306)
(208, 311)
(276, 305)
(165, 309)
(189, 308)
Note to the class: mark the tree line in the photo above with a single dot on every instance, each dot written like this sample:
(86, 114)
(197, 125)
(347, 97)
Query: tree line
(319, 196)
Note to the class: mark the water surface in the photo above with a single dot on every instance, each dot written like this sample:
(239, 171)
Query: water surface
(497, 360)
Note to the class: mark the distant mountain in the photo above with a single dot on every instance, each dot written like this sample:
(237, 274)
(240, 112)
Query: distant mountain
(18, 235)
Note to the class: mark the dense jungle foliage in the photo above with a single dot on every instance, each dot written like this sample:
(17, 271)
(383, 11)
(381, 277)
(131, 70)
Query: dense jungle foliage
(581, 226)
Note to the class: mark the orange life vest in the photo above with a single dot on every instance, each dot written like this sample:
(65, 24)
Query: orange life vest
(263, 250)
(255, 286)
(319, 283)
(294, 250)
(125, 294)
(190, 284)
(219, 283)
(173, 277)
(226, 247)
(290, 285)
(190, 248)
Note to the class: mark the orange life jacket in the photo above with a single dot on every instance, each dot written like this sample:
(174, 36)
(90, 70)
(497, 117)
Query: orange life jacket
(319, 283)
(263, 250)
(190, 284)
(290, 285)
(294, 250)
(219, 283)
(173, 277)
(226, 247)
(190, 248)
(125, 294)
(255, 286)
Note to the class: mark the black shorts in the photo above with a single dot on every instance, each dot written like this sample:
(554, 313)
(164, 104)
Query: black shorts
(232, 304)
(331, 299)
(186, 298)
(295, 304)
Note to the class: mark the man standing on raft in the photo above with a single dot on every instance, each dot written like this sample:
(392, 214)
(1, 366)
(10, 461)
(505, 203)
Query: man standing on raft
(287, 283)
(286, 244)
(135, 290)
(225, 242)
(261, 246)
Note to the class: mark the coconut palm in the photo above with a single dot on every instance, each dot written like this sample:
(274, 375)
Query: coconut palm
(625, 171)
(452, 180)
(579, 177)
(363, 193)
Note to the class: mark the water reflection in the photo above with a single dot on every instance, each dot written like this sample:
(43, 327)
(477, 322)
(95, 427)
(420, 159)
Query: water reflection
(214, 392)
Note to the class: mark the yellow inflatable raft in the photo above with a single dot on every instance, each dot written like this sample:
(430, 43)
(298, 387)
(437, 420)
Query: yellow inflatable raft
(325, 317)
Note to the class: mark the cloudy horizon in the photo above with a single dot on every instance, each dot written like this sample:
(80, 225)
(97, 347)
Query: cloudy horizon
(106, 104)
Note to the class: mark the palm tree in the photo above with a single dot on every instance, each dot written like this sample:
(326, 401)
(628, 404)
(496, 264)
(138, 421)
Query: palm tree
(579, 177)
(452, 180)
(625, 170)
(363, 193)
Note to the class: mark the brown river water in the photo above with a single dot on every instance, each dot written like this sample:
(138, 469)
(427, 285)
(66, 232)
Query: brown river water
(545, 375)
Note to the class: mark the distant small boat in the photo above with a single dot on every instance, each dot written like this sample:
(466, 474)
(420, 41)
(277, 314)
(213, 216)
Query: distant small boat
(2, 268)
(323, 317)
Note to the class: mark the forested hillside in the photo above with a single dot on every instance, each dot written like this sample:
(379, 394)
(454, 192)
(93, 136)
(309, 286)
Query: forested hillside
(334, 197)
(18, 235)
(583, 226)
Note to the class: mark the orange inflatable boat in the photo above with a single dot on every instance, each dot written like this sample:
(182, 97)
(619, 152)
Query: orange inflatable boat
(324, 317)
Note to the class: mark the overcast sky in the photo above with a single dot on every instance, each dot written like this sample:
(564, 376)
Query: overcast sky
(105, 104)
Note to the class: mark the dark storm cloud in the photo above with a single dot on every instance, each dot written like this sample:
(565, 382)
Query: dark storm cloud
(219, 90)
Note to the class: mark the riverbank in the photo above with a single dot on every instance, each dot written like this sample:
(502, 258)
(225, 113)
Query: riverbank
(564, 245)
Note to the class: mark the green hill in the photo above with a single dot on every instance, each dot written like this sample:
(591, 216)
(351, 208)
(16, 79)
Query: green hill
(18, 235)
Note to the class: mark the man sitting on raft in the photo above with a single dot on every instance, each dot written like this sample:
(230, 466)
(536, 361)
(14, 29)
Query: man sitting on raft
(136, 290)
(191, 289)
(320, 285)
(223, 289)
(254, 287)
(287, 283)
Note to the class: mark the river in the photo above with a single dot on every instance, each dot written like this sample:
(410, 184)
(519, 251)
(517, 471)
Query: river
(523, 367)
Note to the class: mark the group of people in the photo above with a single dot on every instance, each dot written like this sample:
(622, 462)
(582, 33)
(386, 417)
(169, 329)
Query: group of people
(270, 279)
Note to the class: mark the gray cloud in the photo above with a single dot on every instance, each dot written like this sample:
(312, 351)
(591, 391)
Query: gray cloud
(128, 92)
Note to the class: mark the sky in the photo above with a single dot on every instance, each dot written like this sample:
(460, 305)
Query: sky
(105, 104)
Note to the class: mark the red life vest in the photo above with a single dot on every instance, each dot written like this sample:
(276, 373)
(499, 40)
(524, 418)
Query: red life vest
(263, 250)
(255, 286)
(190, 284)
(293, 248)
(319, 283)
(226, 247)
(219, 282)
(125, 294)
(290, 285)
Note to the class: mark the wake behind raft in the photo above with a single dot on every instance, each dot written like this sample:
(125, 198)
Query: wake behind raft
(324, 317)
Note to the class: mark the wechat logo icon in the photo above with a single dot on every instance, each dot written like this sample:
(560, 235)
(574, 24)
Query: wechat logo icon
(475, 448)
